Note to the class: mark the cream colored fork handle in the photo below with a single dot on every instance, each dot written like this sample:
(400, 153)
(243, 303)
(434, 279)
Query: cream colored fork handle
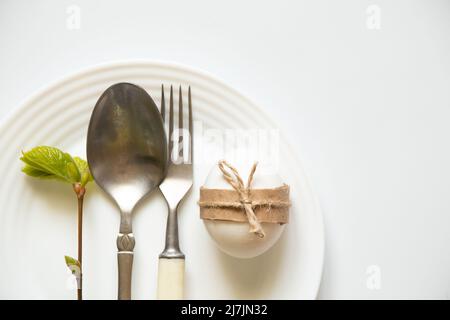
(170, 279)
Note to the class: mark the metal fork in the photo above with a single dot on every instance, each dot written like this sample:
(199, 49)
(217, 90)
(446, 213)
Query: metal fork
(175, 186)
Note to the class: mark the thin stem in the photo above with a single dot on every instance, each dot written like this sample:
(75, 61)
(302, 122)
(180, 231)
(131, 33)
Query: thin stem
(80, 245)
(80, 191)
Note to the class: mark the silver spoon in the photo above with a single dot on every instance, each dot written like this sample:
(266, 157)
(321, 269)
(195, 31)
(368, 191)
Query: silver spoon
(127, 156)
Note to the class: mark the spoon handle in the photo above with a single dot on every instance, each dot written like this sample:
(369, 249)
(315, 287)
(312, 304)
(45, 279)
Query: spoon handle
(125, 244)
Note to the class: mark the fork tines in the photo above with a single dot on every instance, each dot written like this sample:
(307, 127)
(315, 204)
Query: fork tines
(178, 158)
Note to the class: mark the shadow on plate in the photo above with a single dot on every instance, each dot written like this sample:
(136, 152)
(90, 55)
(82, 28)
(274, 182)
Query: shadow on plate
(59, 194)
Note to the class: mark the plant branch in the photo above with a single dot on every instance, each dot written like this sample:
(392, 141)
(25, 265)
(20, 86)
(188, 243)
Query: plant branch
(80, 191)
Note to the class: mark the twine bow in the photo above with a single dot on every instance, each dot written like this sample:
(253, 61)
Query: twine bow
(232, 176)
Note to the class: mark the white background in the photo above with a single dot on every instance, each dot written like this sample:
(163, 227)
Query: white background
(368, 110)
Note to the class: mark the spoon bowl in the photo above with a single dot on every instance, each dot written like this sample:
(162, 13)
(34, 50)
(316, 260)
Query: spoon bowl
(127, 156)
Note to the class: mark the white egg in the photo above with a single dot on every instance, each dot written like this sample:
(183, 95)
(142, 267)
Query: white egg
(232, 237)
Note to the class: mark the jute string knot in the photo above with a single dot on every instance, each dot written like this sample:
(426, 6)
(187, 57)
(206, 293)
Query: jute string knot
(233, 178)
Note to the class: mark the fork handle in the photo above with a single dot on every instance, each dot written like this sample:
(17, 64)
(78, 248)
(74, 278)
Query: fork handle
(170, 279)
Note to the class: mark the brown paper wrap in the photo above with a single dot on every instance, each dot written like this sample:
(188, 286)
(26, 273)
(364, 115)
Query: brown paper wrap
(269, 205)
(244, 203)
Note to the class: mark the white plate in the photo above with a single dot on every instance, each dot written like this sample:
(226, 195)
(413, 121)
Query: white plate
(38, 218)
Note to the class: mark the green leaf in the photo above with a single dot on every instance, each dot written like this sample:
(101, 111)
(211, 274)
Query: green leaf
(84, 171)
(44, 161)
(72, 262)
(33, 172)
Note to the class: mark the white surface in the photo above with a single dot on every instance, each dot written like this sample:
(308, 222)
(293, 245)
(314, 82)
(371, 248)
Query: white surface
(37, 228)
(233, 237)
(368, 109)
